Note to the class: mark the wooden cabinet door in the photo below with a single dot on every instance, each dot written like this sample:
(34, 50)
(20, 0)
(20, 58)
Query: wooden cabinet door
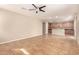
(69, 31)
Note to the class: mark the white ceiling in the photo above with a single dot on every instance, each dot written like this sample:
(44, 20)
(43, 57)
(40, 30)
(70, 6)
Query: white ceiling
(54, 12)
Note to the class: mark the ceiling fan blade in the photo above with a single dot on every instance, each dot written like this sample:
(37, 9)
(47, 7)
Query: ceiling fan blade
(32, 9)
(34, 6)
(23, 8)
(42, 10)
(42, 7)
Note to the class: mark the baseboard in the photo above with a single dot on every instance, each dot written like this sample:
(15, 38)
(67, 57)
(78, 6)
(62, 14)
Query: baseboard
(20, 39)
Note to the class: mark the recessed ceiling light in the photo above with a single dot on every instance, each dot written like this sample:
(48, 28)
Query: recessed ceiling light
(56, 16)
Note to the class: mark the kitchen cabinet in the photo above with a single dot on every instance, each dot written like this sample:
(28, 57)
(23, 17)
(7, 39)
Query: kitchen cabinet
(63, 25)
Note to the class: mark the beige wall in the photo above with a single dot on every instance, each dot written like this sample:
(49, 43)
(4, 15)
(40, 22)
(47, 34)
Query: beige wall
(15, 26)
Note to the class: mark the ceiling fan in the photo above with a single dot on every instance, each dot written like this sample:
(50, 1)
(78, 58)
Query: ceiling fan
(38, 8)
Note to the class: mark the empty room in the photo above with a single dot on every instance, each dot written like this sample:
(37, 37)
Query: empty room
(39, 29)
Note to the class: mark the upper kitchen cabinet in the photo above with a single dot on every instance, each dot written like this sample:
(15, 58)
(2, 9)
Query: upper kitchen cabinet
(63, 25)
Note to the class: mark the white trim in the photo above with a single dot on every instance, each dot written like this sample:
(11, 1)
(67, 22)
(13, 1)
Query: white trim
(19, 39)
